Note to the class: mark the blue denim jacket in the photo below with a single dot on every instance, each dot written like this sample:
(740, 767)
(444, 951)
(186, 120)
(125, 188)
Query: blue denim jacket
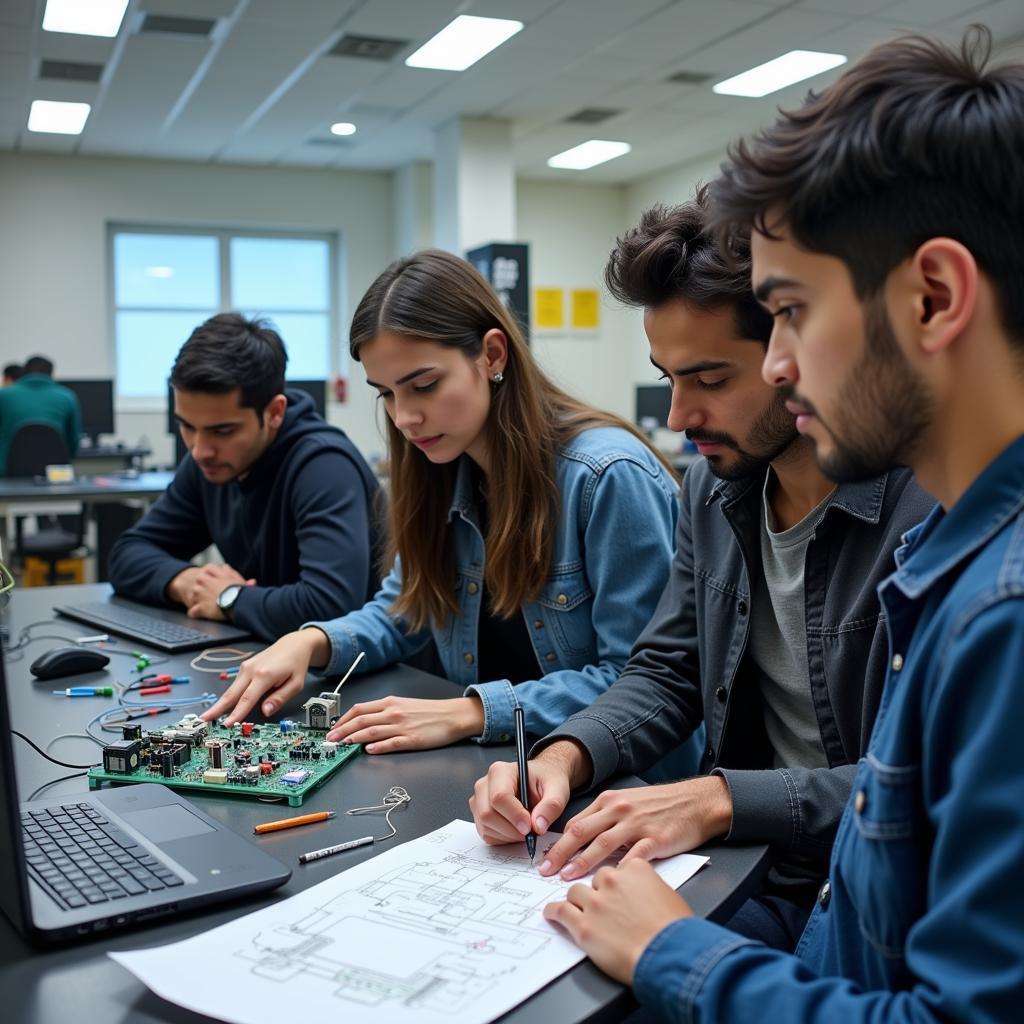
(922, 918)
(612, 551)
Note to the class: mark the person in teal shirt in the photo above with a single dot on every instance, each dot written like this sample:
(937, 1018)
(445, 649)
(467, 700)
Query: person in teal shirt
(37, 398)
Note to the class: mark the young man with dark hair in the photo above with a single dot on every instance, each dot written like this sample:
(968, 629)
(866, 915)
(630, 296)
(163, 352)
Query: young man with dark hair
(287, 499)
(768, 630)
(12, 372)
(883, 245)
(35, 397)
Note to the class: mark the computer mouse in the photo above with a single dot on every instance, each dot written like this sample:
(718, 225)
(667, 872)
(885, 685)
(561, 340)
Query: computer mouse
(67, 661)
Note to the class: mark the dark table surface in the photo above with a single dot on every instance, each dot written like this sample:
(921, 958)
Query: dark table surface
(80, 982)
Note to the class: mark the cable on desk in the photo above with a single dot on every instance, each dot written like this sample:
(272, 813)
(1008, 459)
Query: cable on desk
(218, 657)
(53, 782)
(39, 750)
(394, 798)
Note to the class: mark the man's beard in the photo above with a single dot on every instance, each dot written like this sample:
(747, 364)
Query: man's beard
(883, 408)
(771, 434)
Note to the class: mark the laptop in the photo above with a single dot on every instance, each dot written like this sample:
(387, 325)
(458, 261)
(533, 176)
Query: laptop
(162, 628)
(114, 858)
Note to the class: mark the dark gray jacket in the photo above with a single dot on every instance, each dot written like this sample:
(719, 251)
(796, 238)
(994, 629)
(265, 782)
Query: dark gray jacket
(689, 664)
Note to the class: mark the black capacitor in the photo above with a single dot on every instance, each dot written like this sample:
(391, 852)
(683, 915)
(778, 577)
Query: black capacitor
(131, 732)
(167, 765)
(216, 752)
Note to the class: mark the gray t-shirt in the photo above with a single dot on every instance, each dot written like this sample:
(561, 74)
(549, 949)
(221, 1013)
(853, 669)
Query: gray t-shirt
(778, 640)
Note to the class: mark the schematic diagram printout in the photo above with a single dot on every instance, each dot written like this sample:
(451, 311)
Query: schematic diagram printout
(440, 929)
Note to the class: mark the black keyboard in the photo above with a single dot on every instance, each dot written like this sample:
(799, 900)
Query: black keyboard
(79, 857)
(139, 625)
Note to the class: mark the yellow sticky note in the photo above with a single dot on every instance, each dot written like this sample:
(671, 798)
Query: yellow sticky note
(549, 307)
(584, 308)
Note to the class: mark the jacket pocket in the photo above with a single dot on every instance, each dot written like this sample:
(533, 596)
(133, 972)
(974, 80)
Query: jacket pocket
(567, 602)
(881, 860)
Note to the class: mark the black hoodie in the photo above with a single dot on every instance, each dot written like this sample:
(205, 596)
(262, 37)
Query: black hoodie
(302, 523)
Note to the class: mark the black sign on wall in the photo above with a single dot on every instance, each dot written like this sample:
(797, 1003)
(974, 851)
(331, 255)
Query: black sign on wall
(507, 266)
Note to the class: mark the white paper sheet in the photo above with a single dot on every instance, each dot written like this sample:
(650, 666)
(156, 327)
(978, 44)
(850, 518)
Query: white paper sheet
(441, 928)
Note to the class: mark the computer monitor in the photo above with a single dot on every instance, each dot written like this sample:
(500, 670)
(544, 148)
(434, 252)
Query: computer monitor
(96, 400)
(653, 402)
(316, 389)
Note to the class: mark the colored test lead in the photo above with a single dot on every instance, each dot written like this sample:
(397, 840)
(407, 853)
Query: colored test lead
(327, 851)
(228, 673)
(86, 691)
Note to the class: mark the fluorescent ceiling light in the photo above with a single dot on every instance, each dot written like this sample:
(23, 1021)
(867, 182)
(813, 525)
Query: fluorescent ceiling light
(463, 43)
(791, 67)
(57, 117)
(343, 128)
(84, 17)
(589, 154)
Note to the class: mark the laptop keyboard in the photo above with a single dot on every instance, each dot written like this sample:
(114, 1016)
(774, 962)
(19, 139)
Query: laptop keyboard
(140, 624)
(79, 857)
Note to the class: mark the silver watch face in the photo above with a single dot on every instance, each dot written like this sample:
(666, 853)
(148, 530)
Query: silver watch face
(227, 596)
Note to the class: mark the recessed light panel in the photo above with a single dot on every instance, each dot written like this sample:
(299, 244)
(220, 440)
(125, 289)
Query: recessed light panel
(57, 117)
(462, 43)
(84, 17)
(343, 128)
(776, 74)
(589, 154)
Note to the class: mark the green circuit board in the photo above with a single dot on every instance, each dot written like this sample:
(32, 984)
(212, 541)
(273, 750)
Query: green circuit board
(280, 759)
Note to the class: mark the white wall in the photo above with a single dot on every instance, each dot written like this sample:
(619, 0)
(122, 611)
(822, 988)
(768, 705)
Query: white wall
(54, 213)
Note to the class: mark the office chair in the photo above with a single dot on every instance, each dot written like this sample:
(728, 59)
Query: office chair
(34, 447)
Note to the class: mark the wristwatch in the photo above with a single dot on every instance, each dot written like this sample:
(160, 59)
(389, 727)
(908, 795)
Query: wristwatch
(227, 597)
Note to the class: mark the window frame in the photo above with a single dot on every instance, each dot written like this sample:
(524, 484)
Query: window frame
(223, 236)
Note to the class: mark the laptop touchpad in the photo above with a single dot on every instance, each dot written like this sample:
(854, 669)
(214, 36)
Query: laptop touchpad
(162, 824)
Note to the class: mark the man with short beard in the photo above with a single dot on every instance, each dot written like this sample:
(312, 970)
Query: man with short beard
(768, 631)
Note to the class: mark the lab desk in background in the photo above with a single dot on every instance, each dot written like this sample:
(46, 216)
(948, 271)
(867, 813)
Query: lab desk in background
(108, 499)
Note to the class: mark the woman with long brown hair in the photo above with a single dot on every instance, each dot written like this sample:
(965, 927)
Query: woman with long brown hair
(530, 534)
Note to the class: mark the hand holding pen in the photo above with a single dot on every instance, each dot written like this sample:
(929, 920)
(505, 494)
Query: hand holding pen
(524, 778)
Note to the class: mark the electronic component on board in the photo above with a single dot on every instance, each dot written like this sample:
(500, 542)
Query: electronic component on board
(215, 752)
(121, 755)
(215, 776)
(323, 711)
(131, 732)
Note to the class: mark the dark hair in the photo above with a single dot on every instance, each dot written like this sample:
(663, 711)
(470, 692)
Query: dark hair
(229, 352)
(13, 370)
(670, 255)
(916, 140)
(38, 364)
(437, 297)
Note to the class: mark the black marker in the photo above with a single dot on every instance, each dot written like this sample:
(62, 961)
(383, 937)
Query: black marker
(524, 778)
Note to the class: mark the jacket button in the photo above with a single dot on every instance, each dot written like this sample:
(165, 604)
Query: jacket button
(742, 607)
(720, 694)
(897, 662)
(551, 656)
(860, 801)
(710, 753)
(825, 894)
(472, 588)
(468, 658)
(562, 599)
(538, 623)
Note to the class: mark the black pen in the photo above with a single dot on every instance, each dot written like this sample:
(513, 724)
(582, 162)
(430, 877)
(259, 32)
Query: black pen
(524, 778)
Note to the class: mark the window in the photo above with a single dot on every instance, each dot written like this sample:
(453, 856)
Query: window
(167, 282)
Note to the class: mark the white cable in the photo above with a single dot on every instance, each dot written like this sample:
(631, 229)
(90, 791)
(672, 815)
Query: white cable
(351, 669)
(394, 798)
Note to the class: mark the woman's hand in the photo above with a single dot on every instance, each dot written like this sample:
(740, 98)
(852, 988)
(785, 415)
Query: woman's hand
(277, 673)
(406, 723)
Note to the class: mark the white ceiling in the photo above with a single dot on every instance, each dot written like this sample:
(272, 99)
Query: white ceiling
(261, 90)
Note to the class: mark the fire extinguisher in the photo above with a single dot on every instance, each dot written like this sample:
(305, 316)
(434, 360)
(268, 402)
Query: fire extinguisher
(341, 389)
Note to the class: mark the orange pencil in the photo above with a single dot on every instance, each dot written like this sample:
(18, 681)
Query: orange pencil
(302, 819)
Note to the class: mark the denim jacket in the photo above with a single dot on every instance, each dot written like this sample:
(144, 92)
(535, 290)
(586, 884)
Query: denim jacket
(922, 916)
(612, 551)
(691, 662)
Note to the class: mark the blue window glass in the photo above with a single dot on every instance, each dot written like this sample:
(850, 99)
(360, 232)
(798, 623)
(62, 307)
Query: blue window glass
(280, 273)
(147, 343)
(166, 271)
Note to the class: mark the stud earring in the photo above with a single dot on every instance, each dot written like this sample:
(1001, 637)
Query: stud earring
(498, 377)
